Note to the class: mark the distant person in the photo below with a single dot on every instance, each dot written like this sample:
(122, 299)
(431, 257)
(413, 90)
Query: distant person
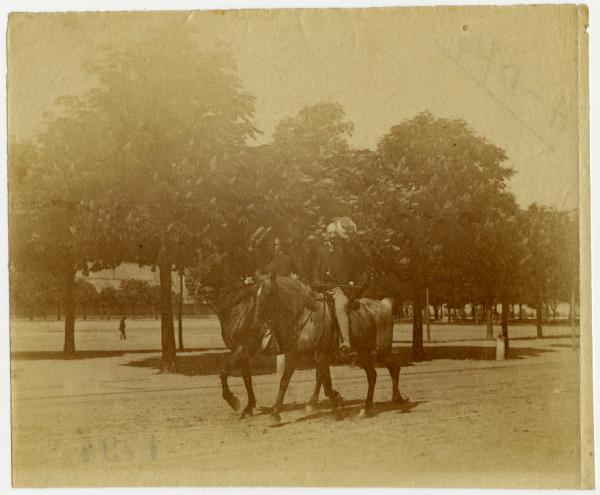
(122, 329)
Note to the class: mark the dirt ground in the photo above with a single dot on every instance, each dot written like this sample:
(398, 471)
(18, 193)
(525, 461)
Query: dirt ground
(108, 417)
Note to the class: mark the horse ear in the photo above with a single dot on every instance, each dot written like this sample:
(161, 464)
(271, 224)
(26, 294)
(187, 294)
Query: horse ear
(273, 277)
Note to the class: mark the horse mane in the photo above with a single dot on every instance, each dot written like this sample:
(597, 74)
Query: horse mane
(231, 296)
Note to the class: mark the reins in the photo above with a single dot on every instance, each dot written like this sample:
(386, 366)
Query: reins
(301, 327)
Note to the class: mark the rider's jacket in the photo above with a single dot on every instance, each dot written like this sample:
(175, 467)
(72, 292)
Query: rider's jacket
(339, 263)
(281, 264)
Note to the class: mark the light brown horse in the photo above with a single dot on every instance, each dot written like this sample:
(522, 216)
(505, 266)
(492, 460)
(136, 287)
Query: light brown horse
(304, 323)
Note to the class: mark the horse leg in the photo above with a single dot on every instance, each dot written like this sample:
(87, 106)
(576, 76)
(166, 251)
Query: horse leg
(391, 363)
(311, 406)
(366, 362)
(245, 370)
(288, 371)
(233, 363)
(325, 375)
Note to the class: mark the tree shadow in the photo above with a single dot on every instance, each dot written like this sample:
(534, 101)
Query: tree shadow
(468, 352)
(59, 355)
(209, 364)
(546, 337)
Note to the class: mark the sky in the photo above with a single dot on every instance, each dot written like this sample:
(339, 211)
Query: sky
(510, 73)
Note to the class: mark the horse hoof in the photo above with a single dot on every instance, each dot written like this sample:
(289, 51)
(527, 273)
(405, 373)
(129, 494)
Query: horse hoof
(248, 411)
(400, 399)
(365, 413)
(309, 409)
(275, 419)
(336, 400)
(234, 402)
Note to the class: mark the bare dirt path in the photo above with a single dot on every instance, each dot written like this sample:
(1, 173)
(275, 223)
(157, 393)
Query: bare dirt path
(111, 421)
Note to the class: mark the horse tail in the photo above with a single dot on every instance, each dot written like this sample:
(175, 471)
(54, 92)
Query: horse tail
(385, 326)
(387, 305)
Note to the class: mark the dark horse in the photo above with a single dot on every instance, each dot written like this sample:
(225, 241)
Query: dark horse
(235, 309)
(304, 323)
(243, 335)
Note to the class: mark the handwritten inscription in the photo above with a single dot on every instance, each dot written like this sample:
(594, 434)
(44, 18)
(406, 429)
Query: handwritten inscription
(496, 72)
(117, 450)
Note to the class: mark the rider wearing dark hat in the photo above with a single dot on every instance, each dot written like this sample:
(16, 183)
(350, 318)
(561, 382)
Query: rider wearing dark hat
(281, 263)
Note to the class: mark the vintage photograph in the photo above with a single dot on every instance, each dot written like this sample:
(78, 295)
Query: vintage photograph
(300, 247)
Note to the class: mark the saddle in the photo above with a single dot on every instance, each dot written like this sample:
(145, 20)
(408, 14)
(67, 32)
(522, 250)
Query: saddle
(322, 293)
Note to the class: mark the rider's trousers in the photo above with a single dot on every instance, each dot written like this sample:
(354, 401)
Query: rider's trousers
(341, 312)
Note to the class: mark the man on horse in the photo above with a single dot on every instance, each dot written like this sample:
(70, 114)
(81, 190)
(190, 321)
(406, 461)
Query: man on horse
(339, 268)
(281, 263)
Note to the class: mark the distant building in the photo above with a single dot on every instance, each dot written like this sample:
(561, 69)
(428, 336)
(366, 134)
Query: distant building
(128, 271)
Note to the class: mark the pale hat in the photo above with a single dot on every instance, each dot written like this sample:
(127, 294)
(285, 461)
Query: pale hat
(342, 226)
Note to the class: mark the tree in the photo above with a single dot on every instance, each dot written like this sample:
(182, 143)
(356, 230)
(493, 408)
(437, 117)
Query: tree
(551, 261)
(86, 296)
(109, 301)
(54, 182)
(311, 161)
(434, 178)
(133, 293)
(173, 122)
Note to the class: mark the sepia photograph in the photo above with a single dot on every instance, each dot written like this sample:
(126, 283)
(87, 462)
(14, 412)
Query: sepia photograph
(300, 247)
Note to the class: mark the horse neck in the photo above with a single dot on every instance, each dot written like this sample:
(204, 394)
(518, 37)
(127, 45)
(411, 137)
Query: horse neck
(290, 300)
(233, 296)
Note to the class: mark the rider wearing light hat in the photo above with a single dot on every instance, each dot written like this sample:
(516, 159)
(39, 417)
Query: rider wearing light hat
(338, 266)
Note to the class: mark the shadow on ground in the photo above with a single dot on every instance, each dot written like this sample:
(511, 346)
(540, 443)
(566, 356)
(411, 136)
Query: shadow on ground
(468, 352)
(208, 364)
(41, 355)
(211, 363)
(350, 409)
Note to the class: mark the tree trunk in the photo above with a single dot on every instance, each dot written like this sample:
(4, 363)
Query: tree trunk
(69, 288)
(418, 353)
(539, 319)
(504, 323)
(168, 362)
(572, 318)
(520, 311)
(449, 313)
(58, 310)
(489, 327)
(436, 312)
(180, 313)
(474, 311)
(427, 324)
